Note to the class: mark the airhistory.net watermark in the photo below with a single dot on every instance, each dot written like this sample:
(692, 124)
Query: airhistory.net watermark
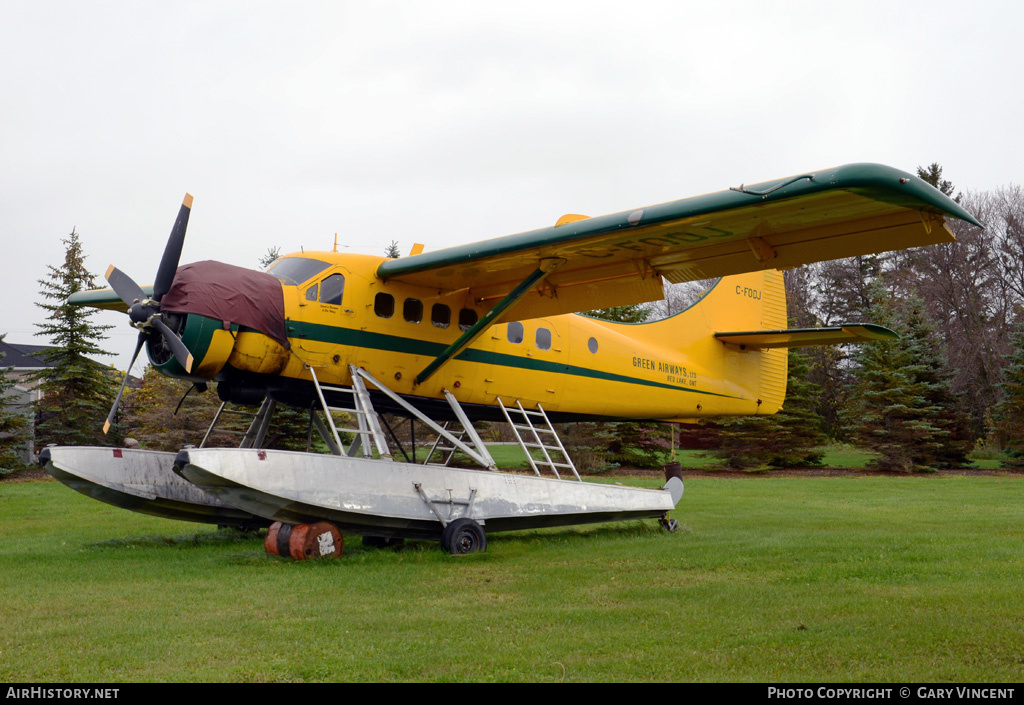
(45, 693)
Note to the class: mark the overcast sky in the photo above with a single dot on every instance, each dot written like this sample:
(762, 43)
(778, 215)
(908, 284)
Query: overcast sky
(448, 122)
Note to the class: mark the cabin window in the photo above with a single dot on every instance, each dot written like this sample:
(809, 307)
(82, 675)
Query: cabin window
(467, 318)
(441, 316)
(412, 310)
(543, 339)
(311, 293)
(384, 305)
(295, 270)
(592, 345)
(331, 289)
(515, 332)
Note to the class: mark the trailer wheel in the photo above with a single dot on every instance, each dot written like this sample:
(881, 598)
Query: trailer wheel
(463, 536)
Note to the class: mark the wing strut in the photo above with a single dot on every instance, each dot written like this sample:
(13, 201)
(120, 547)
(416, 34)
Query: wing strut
(490, 318)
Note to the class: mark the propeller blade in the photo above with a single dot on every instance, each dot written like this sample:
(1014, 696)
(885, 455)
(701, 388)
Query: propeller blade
(117, 399)
(177, 347)
(172, 252)
(124, 286)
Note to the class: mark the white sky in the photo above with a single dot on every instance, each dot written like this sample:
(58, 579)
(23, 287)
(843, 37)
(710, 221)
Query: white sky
(448, 122)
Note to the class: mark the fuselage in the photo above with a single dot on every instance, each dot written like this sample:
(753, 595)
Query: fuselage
(339, 313)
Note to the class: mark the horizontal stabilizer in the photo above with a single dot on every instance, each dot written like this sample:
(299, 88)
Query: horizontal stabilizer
(803, 337)
(104, 298)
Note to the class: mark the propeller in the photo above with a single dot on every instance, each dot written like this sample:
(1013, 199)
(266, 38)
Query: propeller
(124, 382)
(144, 311)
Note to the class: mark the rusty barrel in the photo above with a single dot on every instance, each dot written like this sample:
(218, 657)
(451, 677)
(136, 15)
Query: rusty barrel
(276, 542)
(304, 541)
(673, 469)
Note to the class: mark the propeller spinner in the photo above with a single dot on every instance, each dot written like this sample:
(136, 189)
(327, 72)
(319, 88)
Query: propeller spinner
(144, 311)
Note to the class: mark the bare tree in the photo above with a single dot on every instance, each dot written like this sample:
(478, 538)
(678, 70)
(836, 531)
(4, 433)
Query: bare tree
(678, 298)
(963, 287)
(1007, 216)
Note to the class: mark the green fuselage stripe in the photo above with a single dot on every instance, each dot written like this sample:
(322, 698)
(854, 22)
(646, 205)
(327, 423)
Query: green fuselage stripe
(413, 346)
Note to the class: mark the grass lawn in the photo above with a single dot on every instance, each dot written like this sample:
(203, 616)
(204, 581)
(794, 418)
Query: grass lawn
(836, 456)
(839, 455)
(769, 579)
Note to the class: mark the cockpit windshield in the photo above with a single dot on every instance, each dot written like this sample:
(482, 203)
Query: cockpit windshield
(295, 270)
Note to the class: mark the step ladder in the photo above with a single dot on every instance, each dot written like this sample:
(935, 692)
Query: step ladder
(540, 434)
(368, 435)
(447, 451)
(475, 448)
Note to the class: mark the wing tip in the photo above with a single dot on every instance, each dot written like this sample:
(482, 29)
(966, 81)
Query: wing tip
(870, 331)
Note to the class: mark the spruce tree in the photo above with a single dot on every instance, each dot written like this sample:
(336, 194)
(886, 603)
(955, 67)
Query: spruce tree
(841, 290)
(898, 395)
(789, 438)
(636, 444)
(954, 436)
(742, 441)
(1008, 414)
(933, 175)
(798, 435)
(269, 257)
(77, 392)
(634, 313)
(13, 424)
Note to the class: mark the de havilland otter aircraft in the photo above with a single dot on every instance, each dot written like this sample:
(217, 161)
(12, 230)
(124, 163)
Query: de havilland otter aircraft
(487, 331)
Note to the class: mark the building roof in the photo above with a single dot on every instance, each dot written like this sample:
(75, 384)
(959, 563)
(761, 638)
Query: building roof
(20, 356)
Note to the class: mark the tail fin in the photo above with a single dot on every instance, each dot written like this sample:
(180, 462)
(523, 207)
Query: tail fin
(730, 346)
(737, 333)
(755, 378)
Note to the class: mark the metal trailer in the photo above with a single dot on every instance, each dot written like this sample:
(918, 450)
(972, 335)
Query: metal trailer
(361, 489)
(406, 500)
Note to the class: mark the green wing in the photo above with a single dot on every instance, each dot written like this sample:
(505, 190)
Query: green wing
(620, 259)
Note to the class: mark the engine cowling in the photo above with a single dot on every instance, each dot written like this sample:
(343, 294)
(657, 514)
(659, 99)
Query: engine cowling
(207, 339)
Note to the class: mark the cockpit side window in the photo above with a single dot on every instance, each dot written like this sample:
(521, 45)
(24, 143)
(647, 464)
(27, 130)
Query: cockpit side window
(331, 289)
